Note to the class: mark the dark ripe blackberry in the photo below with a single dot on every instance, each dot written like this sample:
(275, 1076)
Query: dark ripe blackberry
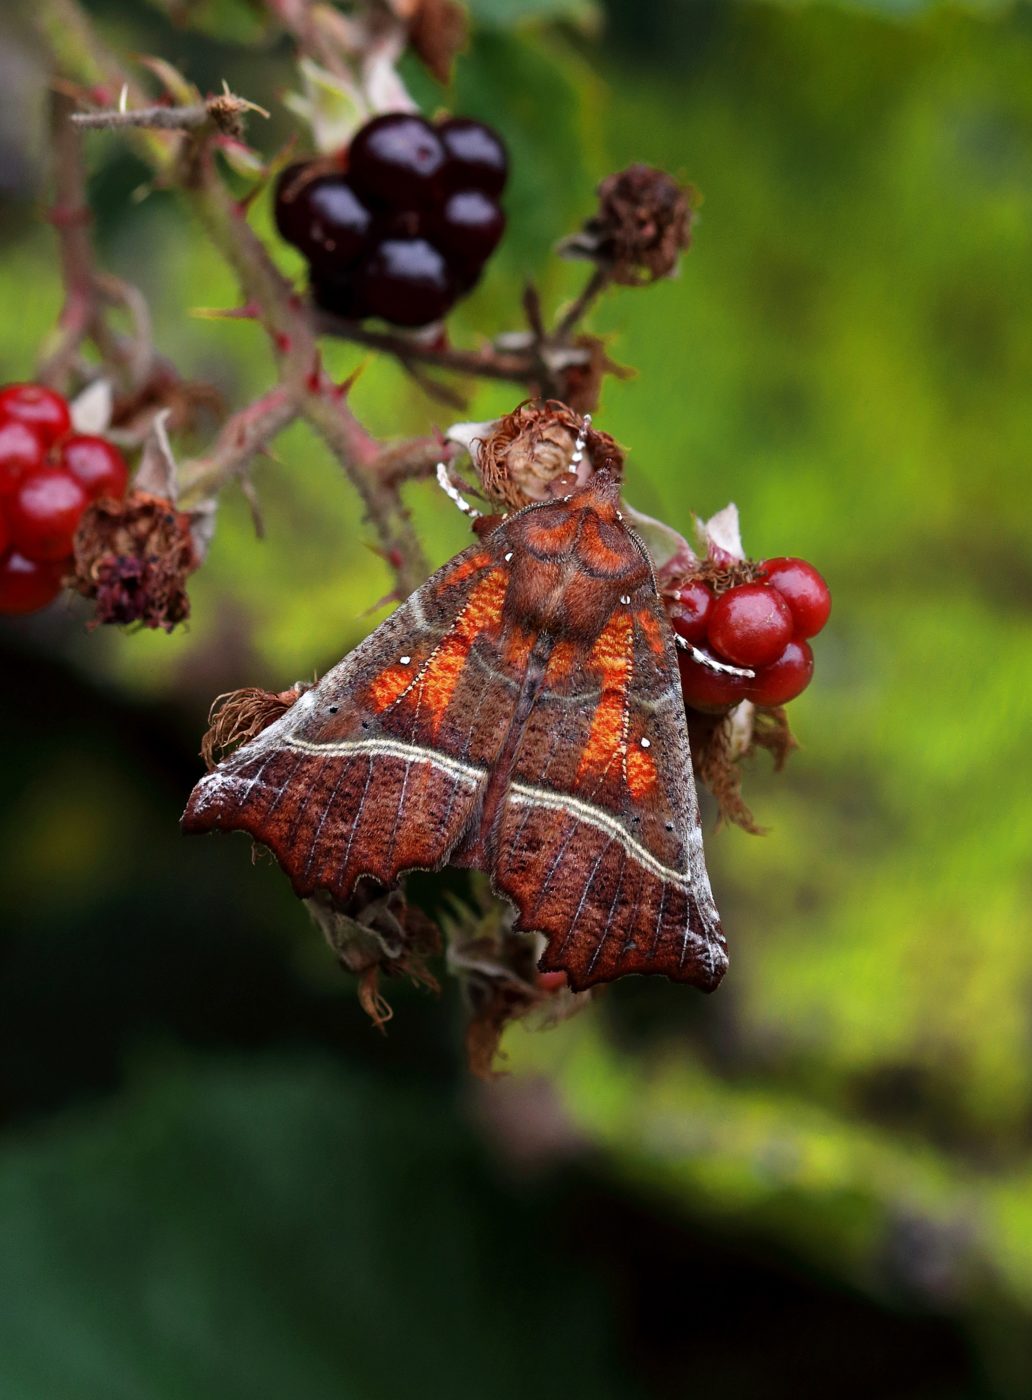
(476, 157)
(341, 225)
(290, 205)
(406, 281)
(322, 216)
(469, 226)
(397, 158)
(339, 295)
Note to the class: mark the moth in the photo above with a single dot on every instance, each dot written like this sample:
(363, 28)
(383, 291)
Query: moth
(520, 714)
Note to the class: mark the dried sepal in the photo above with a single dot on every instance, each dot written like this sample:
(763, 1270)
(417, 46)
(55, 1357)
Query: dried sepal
(721, 743)
(497, 970)
(641, 226)
(772, 731)
(237, 716)
(438, 33)
(377, 933)
(724, 564)
(132, 558)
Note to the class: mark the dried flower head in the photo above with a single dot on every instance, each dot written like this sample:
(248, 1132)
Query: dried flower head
(438, 32)
(642, 225)
(530, 454)
(238, 716)
(132, 557)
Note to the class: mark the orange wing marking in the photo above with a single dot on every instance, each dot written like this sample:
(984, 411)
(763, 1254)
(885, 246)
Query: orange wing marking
(434, 683)
(608, 739)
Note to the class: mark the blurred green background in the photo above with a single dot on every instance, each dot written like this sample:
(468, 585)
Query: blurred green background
(216, 1180)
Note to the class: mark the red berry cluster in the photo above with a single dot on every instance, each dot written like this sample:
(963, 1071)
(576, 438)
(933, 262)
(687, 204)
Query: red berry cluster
(404, 224)
(761, 626)
(48, 476)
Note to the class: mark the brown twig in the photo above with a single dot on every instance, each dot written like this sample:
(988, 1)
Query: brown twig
(70, 216)
(489, 363)
(241, 438)
(596, 284)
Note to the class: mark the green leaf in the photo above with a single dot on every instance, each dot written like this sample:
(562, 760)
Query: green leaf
(233, 21)
(511, 14)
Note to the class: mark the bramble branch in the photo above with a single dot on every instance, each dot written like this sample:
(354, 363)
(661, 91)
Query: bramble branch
(224, 112)
(179, 141)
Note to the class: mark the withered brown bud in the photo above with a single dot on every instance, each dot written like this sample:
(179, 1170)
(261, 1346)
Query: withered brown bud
(642, 226)
(530, 454)
(438, 31)
(132, 557)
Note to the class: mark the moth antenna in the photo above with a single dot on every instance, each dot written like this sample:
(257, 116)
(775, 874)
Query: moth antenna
(449, 488)
(704, 659)
(581, 443)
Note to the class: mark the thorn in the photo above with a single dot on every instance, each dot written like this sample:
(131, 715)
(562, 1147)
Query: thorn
(343, 389)
(248, 312)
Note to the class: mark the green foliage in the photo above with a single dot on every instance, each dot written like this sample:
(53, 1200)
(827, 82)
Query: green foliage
(275, 1230)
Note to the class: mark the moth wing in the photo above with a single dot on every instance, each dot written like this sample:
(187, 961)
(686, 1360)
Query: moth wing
(379, 768)
(599, 844)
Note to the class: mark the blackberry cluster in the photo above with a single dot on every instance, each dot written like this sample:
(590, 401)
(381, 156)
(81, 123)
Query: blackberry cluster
(402, 228)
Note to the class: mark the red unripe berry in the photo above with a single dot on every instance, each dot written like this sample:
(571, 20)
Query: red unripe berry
(44, 514)
(22, 450)
(552, 981)
(786, 678)
(689, 608)
(750, 625)
(96, 464)
(40, 408)
(26, 584)
(709, 690)
(804, 591)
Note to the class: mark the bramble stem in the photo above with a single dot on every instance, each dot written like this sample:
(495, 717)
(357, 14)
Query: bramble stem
(178, 143)
(242, 437)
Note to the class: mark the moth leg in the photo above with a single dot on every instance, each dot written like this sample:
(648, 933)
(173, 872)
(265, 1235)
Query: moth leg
(449, 488)
(705, 659)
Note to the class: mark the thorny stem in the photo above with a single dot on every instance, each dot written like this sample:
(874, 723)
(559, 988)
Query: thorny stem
(175, 142)
(240, 439)
(223, 112)
(515, 367)
(71, 217)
